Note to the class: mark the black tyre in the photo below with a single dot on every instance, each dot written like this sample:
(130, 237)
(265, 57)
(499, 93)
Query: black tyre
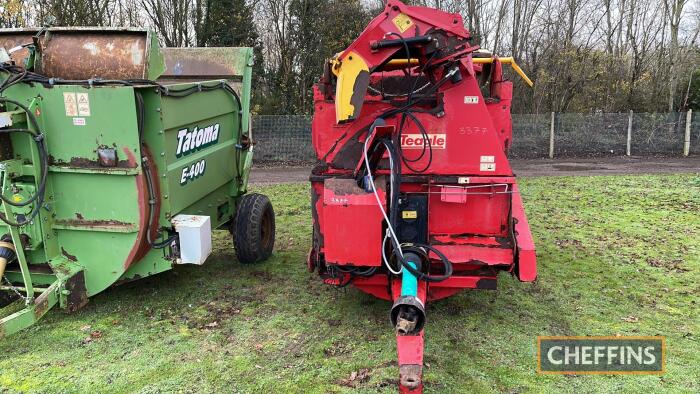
(254, 229)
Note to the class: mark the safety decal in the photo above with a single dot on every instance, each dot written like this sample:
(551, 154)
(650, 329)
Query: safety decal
(402, 22)
(70, 102)
(488, 163)
(83, 104)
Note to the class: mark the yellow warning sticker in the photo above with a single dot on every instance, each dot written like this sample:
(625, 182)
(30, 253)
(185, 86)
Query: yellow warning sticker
(17, 198)
(409, 214)
(71, 104)
(402, 22)
(83, 104)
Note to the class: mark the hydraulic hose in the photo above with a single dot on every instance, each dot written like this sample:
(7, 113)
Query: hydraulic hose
(399, 249)
(38, 197)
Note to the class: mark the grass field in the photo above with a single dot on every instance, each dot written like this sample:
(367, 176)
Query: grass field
(617, 255)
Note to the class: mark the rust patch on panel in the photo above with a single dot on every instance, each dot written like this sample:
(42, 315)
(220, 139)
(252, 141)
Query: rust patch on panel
(77, 298)
(81, 162)
(41, 304)
(93, 223)
(75, 53)
(68, 255)
(343, 187)
(92, 55)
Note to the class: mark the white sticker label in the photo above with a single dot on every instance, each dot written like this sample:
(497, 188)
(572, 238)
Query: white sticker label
(83, 104)
(471, 99)
(488, 159)
(463, 180)
(487, 167)
(78, 121)
(71, 104)
(418, 141)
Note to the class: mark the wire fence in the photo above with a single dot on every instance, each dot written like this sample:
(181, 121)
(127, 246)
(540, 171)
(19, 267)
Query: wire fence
(286, 139)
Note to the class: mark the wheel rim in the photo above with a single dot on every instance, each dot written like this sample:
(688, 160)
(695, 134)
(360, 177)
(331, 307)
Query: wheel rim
(266, 229)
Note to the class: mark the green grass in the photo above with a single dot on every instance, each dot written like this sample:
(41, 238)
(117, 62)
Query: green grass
(617, 255)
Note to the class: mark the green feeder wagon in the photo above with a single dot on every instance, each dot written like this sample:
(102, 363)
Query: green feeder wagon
(117, 160)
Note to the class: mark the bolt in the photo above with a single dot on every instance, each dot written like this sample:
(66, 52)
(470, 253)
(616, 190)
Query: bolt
(162, 153)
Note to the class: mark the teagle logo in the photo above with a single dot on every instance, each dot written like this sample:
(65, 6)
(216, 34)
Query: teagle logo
(418, 141)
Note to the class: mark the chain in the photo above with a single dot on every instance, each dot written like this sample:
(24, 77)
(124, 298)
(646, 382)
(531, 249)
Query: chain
(12, 287)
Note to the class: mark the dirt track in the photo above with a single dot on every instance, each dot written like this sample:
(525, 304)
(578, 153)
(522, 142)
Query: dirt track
(538, 167)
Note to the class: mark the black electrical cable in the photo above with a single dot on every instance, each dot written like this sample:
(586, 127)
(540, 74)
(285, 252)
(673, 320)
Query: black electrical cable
(406, 111)
(146, 168)
(358, 271)
(38, 197)
(408, 61)
(409, 94)
(18, 74)
(426, 277)
(393, 218)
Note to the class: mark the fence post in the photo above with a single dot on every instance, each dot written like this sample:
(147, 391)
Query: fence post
(629, 133)
(688, 124)
(551, 138)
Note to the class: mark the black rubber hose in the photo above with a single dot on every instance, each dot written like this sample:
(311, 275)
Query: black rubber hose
(38, 197)
(146, 168)
(426, 277)
(38, 138)
(393, 218)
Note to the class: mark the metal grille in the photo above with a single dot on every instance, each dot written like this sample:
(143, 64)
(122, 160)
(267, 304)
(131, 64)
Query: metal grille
(286, 139)
(695, 137)
(283, 139)
(598, 134)
(530, 136)
(658, 134)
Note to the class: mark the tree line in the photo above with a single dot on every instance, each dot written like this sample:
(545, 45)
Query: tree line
(584, 55)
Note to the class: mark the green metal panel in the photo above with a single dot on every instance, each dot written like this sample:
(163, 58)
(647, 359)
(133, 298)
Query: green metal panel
(183, 123)
(90, 232)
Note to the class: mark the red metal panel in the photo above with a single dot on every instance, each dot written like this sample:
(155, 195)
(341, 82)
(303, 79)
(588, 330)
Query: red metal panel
(376, 285)
(527, 260)
(471, 253)
(352, 224)
(480, 214)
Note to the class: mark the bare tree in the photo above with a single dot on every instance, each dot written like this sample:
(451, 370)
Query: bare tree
(674, 11)
(173, 20)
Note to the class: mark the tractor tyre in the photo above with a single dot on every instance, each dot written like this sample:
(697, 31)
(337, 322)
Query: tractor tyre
(254, 229)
